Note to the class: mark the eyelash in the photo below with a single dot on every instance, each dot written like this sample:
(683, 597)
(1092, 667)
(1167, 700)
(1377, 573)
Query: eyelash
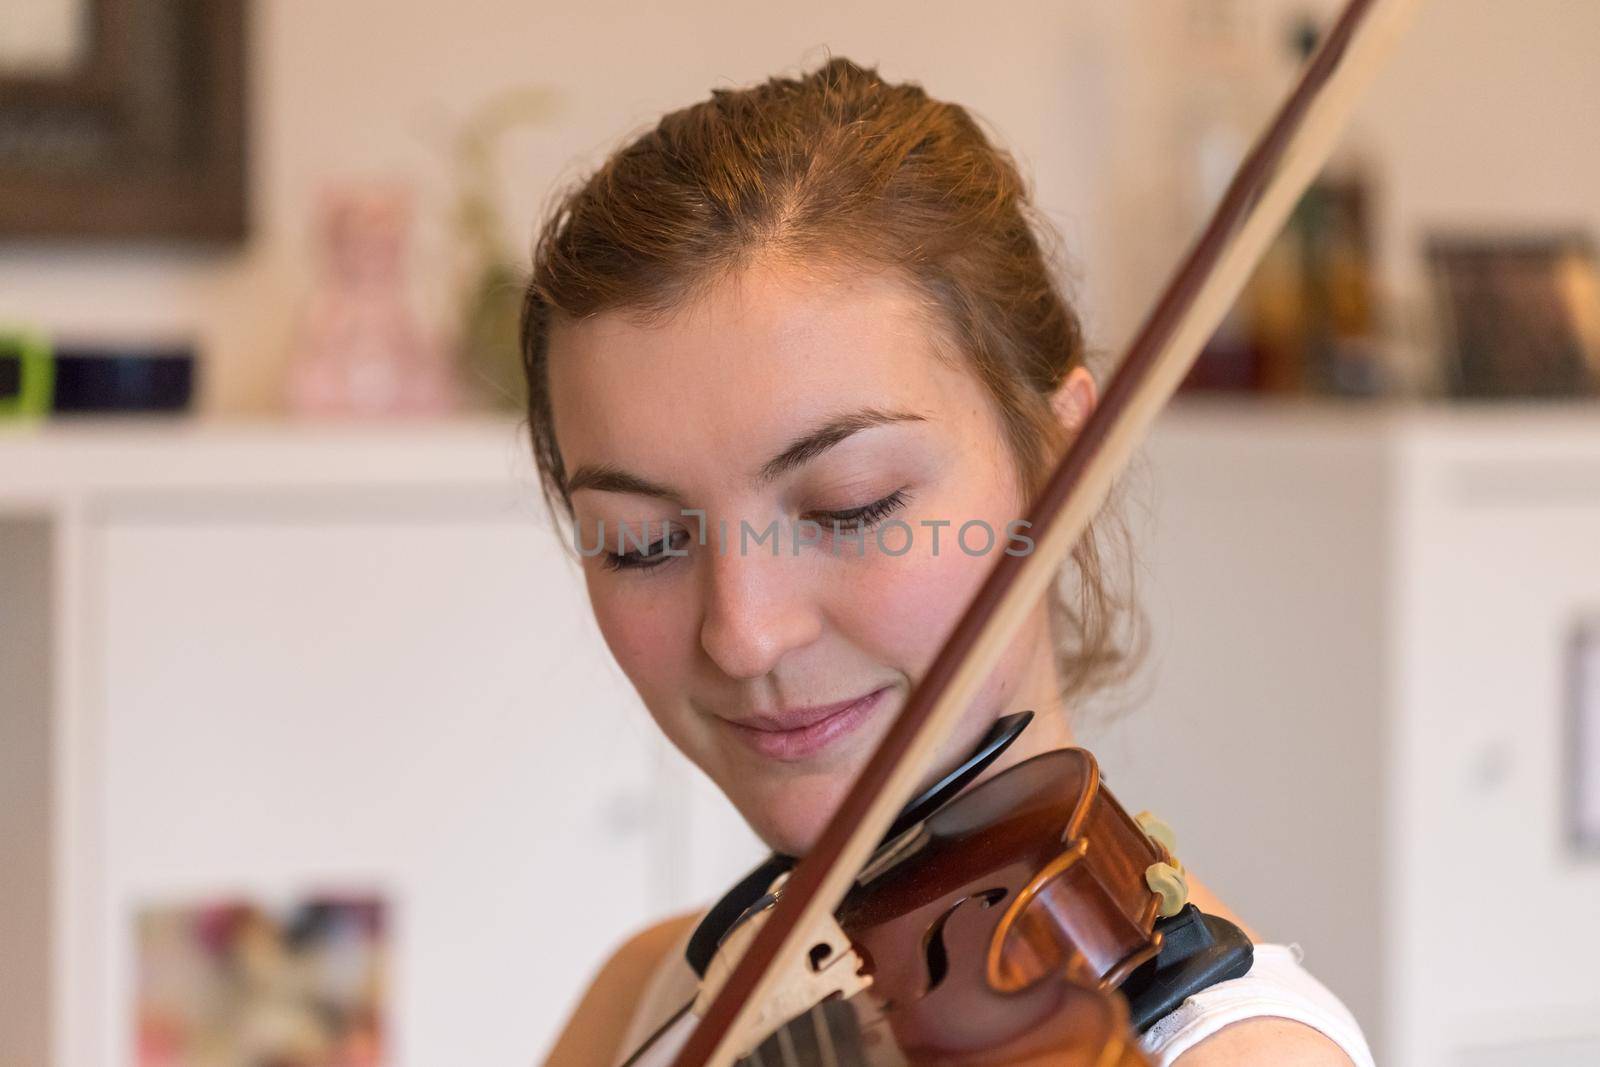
(650, 557)
(867, 516)
(852, 519)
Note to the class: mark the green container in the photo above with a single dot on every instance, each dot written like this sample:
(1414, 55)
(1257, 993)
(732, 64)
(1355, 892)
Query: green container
(27, 375)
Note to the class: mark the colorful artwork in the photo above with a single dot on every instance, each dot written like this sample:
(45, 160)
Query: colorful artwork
(235, 984)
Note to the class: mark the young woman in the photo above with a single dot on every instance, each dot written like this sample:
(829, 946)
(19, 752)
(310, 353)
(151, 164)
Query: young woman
(796, 362)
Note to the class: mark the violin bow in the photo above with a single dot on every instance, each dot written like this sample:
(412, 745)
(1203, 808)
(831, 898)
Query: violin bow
(1281, 164)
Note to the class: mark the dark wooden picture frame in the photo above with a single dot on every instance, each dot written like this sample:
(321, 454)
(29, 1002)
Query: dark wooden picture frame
(144, 138)
(1510, 310)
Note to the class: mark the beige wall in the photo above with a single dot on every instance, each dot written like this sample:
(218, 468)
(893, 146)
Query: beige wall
(1487, 114)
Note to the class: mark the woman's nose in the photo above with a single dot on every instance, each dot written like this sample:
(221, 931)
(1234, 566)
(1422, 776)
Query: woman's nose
(757, 609)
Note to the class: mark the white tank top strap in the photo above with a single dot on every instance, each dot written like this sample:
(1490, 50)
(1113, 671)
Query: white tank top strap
(1276, 986)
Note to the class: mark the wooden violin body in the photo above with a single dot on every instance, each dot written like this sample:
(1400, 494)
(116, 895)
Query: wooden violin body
(995, 931)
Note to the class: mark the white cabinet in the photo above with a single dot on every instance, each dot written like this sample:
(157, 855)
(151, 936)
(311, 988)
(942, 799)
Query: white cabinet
(297, 659)
(414, 704)
(1356, 711)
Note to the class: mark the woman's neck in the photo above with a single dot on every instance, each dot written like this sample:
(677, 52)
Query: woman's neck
(1039, 692)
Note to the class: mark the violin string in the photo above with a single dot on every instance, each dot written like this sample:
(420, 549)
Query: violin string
(819, 1025)
(827, 1035)
(791, 1058)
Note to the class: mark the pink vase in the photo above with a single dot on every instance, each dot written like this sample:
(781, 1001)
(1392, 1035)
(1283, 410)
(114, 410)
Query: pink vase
(360, 349)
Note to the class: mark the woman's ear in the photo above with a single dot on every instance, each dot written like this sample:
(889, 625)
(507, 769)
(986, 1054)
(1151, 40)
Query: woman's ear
(1074, 400)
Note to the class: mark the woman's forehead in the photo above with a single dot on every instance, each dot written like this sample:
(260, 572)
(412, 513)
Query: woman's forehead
(749, 364)
(777, 314)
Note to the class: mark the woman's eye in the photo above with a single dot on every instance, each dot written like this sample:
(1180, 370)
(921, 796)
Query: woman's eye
(864, 517)
(647, 556)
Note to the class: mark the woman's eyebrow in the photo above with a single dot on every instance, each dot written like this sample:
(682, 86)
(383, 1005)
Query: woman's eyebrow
(609, 479)
(606, 478)
(813, 443)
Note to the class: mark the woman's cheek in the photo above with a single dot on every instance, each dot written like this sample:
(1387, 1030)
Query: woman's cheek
(643, 637)
(903, 607)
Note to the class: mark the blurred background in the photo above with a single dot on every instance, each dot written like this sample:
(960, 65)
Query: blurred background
(310, 752)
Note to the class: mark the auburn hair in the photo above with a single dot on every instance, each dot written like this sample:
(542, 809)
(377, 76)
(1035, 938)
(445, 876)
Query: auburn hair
(836, 169)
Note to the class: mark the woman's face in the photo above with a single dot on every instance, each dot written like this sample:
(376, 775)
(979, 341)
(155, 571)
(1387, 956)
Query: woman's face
(771, 651)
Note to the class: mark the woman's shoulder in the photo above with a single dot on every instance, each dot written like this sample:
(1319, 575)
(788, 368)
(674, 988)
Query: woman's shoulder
(1276, 1013)
(596, 1031)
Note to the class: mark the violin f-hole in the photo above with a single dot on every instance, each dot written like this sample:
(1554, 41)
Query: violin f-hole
(935, 957)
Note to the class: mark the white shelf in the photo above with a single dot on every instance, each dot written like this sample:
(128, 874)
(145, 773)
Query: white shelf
(65, 460)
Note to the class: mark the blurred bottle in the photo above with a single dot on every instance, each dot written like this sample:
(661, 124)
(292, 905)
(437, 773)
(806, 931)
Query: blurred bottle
(1305, 321)
(1227, 80)
(1339, 352)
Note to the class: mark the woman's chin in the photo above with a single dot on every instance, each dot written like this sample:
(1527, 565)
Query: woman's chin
(789, 811)
(791, 819)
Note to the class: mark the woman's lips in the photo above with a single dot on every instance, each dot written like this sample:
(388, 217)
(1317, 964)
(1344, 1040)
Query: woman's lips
(796, 733)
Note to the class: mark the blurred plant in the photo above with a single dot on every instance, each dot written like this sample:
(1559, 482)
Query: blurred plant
(491, 302)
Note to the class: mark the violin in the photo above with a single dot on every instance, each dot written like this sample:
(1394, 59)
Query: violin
(1025, 898)
(1039, 872)
(1027, 917)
